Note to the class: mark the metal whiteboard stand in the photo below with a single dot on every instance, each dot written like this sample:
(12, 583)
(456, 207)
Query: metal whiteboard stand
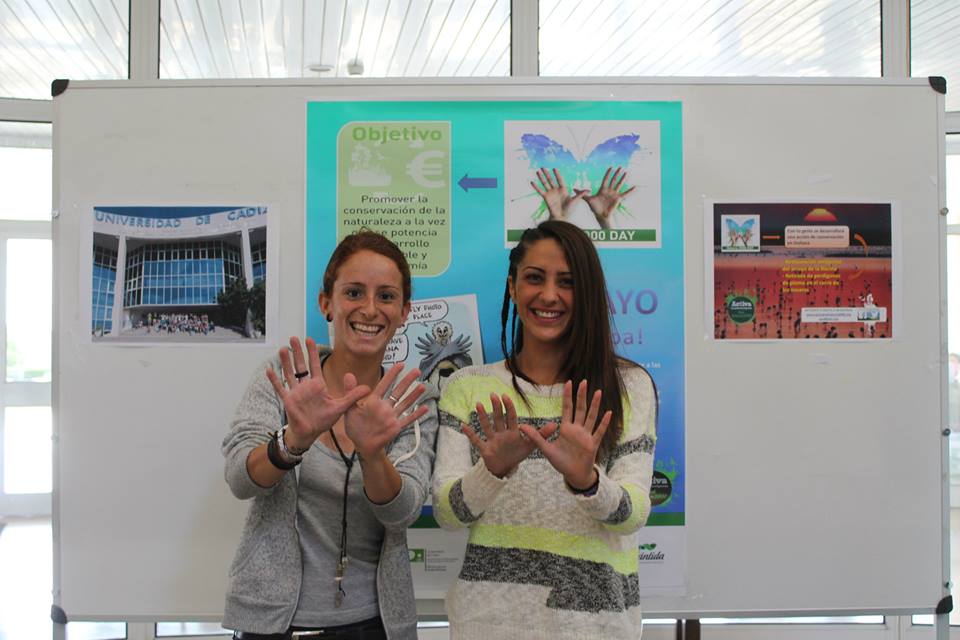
(59, 619)
(688, 630)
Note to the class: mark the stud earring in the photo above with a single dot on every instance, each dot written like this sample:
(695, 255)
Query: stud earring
(329, 317)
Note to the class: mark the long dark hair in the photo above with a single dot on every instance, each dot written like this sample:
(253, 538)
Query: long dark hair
(587, 342)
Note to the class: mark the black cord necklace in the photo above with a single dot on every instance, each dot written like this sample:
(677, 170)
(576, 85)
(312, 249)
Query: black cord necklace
(342, 559)
(348, 461)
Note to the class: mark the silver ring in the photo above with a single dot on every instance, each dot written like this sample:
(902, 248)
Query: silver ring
(395, 400)
(300, 375)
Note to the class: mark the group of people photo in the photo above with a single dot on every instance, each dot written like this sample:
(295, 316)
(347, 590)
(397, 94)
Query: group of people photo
(189, 323)
(545, 456)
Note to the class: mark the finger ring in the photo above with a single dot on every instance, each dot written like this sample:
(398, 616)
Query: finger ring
(300, 375)
(395, 400)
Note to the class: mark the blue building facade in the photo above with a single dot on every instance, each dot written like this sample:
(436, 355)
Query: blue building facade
(171, 260)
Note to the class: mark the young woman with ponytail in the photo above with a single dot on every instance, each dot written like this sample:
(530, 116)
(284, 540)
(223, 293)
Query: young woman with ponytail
(547, 456)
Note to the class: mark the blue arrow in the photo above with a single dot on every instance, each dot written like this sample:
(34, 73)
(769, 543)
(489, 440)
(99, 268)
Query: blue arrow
(467, 183)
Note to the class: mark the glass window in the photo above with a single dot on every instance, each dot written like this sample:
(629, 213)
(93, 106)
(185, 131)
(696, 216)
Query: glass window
(710, 38)
(935, 43)
(26, 555)
(334, 38)
(96, 631)
(42, 41)
(27, 451)
(803, 620)
(26, 168)
(27, 560)
(178, 629)
(104, 279)
(953, 179)
(29, 310)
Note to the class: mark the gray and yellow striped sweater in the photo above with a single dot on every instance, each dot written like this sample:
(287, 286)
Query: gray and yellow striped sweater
(543, 562)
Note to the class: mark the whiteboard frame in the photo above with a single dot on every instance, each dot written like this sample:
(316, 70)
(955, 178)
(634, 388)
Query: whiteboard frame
(545, 87)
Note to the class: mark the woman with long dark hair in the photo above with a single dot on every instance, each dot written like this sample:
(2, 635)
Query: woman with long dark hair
(324, 550)
(547, 456)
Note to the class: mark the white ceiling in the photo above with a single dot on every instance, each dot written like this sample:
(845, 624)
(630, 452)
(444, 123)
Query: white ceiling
(282, 39)
(41, 40)
(87, 39)
(710, 38)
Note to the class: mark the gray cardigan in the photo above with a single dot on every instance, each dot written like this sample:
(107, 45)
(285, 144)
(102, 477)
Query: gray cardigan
(264, 579)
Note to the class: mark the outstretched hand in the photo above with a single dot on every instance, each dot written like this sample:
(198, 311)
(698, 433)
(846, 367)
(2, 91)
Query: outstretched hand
(607, 197)
(555, 194)
(311, 408)
(504, 446)
(374, 421)
(574, 451)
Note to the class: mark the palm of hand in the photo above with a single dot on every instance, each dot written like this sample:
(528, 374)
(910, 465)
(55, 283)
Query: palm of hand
(311, 409)
(503, 446)
(553, 190)
(573, 452)
(603, 202)
(504, 450)
(608, 195)
(558, 201)
(371, 424)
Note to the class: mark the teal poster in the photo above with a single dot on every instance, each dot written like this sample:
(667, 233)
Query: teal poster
(453, 184)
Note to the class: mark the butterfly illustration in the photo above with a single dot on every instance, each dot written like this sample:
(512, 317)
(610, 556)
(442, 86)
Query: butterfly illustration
(742, 232)
(542, 151)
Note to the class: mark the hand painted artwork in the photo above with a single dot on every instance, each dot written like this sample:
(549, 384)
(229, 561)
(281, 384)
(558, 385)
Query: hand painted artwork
(795, 270)
(603, 176)
(441, 336)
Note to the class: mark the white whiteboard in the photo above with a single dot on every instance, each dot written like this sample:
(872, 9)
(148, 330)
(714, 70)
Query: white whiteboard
(824, 497)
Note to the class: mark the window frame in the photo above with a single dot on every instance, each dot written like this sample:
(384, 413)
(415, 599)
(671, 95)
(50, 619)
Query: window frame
(19, 394)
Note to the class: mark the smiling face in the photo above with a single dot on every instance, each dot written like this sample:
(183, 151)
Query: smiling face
(366, 303)
(543, 293)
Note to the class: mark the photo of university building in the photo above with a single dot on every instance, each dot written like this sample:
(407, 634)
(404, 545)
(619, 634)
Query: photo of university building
(173, 263)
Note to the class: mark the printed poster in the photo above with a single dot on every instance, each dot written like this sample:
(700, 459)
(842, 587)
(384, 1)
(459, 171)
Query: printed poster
(180, 274)
(607, 173)
(394, 177)
(435, 559)
(455, 183)
(441, 336)
(800, 270)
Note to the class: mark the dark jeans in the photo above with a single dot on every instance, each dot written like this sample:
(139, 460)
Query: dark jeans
(371, 629)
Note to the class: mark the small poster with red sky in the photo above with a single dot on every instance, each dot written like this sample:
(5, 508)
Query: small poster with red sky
(800, 270)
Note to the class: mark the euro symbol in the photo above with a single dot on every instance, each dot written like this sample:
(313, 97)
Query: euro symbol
(426, 173)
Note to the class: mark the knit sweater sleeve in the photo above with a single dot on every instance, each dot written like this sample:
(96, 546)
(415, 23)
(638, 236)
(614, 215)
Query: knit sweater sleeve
(622, 501)
(258, 415)
(412, 455)
(462, 488)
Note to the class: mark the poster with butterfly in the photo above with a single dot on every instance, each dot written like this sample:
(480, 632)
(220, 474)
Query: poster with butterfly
(801, 270)
(453, 183)
(602, 175)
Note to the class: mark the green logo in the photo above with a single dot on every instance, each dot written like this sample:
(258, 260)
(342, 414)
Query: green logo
(650, 546)
(661, 488)
(664, 477)
(418, 555)
(741, 308)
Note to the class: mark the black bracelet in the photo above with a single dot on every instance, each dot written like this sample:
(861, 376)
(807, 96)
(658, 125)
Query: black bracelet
(273, 454)
(589, 491)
